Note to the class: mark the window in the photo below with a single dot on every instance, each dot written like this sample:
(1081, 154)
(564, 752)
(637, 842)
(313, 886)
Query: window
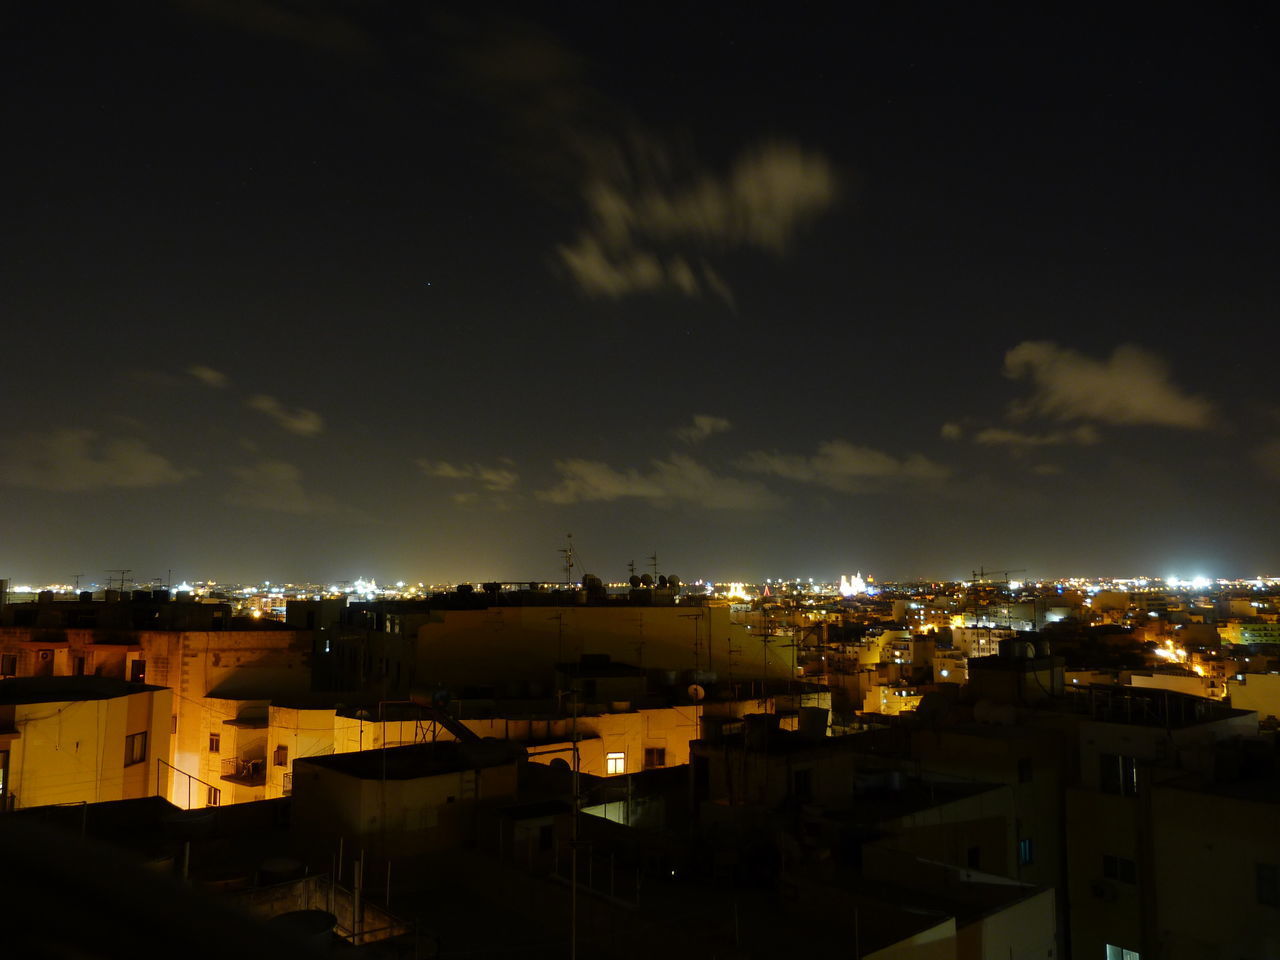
(135, 748)
(1120, 953)
(77, 667)
(1025, 852)
(138, 671)
(9, 664)
(1267, 877)
(215, 743)
(1118, 774)
(173, 724)
(615, 763)
(281, 757)
(1119, 868)
(214, 797)
(1024, 770)
(655, 757)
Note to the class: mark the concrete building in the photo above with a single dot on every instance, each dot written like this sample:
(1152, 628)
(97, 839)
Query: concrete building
(416, 798)
(80, 740)
(211, 672)
(1133, 740)
(502, 646)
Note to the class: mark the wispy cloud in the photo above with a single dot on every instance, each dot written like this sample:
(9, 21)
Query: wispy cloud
(649, 229)
(1132, 386)
(303, 422)
(276, 485)
(703, 426)
(677, 480)
(952, 431)
(496, 479)
(74, 460)
(208, 376)
(840, 465)
(1083, 435)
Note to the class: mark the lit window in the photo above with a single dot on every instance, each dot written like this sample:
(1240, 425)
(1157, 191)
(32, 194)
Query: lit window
(135, 748)
(1118, 774)
(1120, 953)
(1025, 852)
(615, 763)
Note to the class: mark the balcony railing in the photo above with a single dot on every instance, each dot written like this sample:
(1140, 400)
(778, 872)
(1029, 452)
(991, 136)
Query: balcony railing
(249, 773)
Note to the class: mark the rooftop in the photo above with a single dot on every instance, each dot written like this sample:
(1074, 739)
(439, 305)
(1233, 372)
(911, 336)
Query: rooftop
(57, 689)
(416, 760)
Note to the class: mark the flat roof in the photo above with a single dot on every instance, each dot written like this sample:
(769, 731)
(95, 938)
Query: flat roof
(417, 760)
(57, 689)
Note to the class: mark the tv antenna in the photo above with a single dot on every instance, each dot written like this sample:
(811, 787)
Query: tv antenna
(77, 578)
(566, 553)
(123, 576)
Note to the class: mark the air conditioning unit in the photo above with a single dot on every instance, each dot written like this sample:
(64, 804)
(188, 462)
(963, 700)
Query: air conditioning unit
(46, 654)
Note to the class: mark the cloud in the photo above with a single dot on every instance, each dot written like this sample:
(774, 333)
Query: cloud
(498, 479)
(703, 426)
(952, 431)
(653, 219)
(276, 485)
(646, 233)
(1046, 469)
(1084, 435)
(73, 460)
(1131, 387)
(680, 479)
(303, 422)
(840, 465)
(208, 376)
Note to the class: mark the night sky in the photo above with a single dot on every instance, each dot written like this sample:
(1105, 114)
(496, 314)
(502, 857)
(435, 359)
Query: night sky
(313, 290)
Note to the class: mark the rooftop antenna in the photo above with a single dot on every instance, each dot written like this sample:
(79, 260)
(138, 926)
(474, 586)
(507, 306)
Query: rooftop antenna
(78, 576)
(567, 553)
(653, 562)
(123, 577)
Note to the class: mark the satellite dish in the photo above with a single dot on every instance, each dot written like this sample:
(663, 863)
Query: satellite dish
(662, 582)
(647, 579)
(634, 581)
(696, 692)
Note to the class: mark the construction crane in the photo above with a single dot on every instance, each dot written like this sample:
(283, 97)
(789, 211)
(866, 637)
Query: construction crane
(983, 575)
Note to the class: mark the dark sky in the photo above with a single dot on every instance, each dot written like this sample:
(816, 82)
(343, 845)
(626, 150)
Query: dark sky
(300, 290)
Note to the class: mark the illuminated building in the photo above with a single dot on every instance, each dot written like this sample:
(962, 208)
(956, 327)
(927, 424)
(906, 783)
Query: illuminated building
(80, 740)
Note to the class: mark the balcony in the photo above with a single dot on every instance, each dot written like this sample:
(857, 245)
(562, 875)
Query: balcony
(247, 773)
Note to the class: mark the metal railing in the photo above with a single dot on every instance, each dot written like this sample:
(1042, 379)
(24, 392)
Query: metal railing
(236, 769)
(177, 792)
(288, 784)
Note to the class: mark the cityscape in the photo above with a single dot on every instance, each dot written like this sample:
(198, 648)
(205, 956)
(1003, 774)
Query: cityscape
(604, 481)
(984, 765)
